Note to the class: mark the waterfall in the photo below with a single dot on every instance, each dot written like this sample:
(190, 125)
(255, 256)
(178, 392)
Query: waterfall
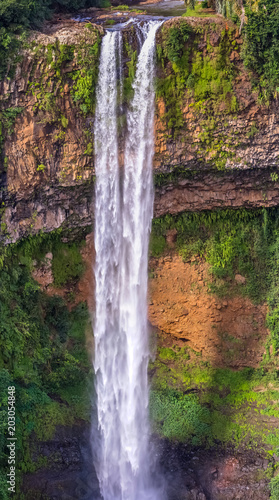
(123, 214)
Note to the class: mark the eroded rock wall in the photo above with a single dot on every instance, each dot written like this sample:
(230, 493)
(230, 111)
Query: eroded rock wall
(211, 151)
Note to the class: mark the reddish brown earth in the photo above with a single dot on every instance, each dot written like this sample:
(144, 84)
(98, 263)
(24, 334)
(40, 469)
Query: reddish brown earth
(228, 332)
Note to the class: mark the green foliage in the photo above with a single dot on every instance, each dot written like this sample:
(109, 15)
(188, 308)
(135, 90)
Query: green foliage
(67, 265)
(273, 296)
(193, 247)
(193, 402)
(261, 46)
(82, 80)
(64, 121)
(157, 245)
(17, 17)
(128, 91)
(125, 8)
(7, 121)
(195, 9)
(231, 241)
(120, 7)
(41, 168)
(8, 117)
(172, 85)
(174, 41)
(179, 417)
(42, 353)
(110, 22)
(212, 78)
(85, 79)
(208, 78)
(274, 488)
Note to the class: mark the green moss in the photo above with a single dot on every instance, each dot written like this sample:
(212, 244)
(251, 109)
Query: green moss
(224, 406)
(82, 80)
(131, 65)
(174, 40)
(201, 405)
(260, 48)
(199, 80)
(198, 11)
(85, 78)
(7, 122)
(110, 22)
(274, 488)
(67, 265)
(57, 55)
(41, 168)
(179, 417)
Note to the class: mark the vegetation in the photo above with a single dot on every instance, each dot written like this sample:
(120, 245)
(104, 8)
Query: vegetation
(85, 78)
(261, 46)
(195, 9)
(131, 54)
(274, 487)
(16, 18)
(67, 265)
(43, 350)
(231, 241)
(82, 80)
(204, 406)
(190, 400)
(201, 82)
(259, 22)
(7, 120)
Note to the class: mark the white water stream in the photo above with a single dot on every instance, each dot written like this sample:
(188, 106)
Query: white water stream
(123, 215)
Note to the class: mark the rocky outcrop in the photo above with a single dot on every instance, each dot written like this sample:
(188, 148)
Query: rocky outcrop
(189, 474)
(214, 475)
(251, 188)
(47, 172)
(69, 472)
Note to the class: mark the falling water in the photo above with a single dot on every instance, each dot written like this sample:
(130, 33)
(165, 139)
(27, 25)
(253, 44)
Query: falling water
(122, 230)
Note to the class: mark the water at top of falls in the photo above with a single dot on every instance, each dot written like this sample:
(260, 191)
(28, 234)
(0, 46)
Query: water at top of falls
(122, 225)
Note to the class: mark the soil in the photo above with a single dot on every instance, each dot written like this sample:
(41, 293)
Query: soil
(228, 332)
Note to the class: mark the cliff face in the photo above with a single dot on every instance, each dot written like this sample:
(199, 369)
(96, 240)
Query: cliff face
(215, 146)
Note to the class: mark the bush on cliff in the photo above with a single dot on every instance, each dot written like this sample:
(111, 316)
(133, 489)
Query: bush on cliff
(261, 45)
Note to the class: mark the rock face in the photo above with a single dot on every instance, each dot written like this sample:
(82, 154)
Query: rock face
(188, 474)
(69, 473)
(211, 475)
(250, 188)
(47, 170)
(228, 332)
